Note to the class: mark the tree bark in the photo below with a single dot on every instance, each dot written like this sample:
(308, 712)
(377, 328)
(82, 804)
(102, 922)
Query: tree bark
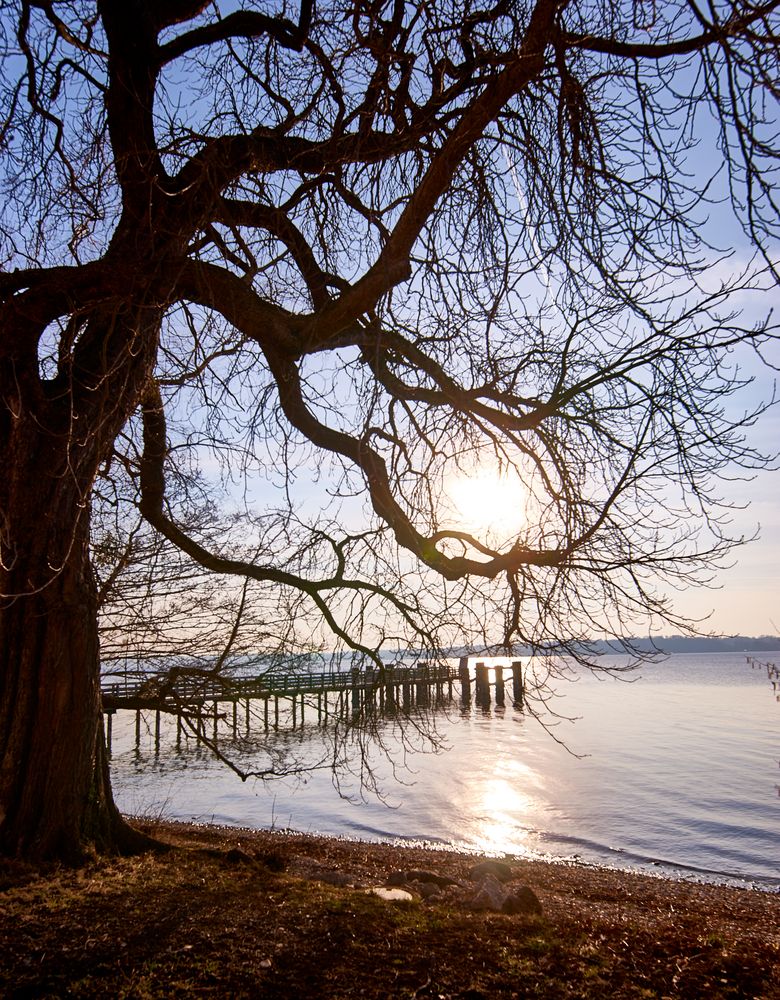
(55, 792)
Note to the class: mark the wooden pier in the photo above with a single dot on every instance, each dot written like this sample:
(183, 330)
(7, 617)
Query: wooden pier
(200, 697)
(772, 672)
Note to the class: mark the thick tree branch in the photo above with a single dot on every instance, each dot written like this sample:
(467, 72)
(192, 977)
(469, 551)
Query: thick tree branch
(214, 287)
(151, 505)
(383, 500)
(719, 33)
(232, 212)
(242, 24)
(393, 265)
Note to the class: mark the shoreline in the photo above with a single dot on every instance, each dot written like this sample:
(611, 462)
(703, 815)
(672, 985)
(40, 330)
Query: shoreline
(246, 913)
(450, 856)
(503, 784)
(645, 868)
(233, 912)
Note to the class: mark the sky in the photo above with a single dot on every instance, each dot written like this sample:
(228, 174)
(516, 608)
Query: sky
(747, 598)
(744, 597)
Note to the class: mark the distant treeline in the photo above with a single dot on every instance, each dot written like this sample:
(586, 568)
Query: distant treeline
(665, 644)
(699, 644)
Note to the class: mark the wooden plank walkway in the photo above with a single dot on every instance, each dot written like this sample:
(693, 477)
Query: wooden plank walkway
(134, 692)
(196, 697)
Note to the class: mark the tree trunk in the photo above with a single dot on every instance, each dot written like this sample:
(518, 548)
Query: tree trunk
(55, 792)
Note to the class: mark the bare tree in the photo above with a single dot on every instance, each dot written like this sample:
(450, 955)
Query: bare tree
(367, 245)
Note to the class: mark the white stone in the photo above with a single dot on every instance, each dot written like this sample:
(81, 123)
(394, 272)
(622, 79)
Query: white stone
(390, 894)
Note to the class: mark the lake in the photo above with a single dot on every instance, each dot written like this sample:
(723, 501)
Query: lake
(675, 772)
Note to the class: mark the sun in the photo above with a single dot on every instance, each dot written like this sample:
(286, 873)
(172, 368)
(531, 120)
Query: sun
(488, 504)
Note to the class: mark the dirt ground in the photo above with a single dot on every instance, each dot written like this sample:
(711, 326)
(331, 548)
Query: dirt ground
(234, 913)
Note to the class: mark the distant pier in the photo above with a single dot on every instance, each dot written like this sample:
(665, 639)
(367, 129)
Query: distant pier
(772, 672)
(204, 700)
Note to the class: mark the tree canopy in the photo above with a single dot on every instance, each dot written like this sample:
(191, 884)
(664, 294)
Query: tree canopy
(332, 258)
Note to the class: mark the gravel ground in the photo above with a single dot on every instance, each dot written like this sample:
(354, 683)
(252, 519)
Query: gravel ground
(236, 913)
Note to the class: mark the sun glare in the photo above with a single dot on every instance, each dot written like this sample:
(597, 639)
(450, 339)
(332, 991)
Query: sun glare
(504, 816)
(488, 504)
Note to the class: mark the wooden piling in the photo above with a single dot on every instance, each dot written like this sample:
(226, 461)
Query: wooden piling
(482, 683)
(518, 684)
(465, 680)
(499, 672)
(389, 689)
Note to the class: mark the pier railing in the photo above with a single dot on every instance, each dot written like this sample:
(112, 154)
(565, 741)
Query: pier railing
(196, 695)
(139, 691)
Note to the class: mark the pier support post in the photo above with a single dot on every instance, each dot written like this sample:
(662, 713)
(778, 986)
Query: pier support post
(518, 685)
(355, 678)
(465, 680)
(482, 684)
(157, 731)
(389, 692)
(137, 728)
(499, 671)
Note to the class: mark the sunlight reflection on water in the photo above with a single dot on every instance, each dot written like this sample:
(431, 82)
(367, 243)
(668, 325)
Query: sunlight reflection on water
(503, 815)
(677, 769)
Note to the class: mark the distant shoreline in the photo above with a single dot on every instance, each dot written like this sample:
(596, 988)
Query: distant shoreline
(659, 644)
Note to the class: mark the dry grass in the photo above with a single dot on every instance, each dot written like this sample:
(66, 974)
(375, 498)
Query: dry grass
(238, 914)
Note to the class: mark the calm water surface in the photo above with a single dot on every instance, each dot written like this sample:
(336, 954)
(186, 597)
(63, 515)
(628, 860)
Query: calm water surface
(676, 772)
